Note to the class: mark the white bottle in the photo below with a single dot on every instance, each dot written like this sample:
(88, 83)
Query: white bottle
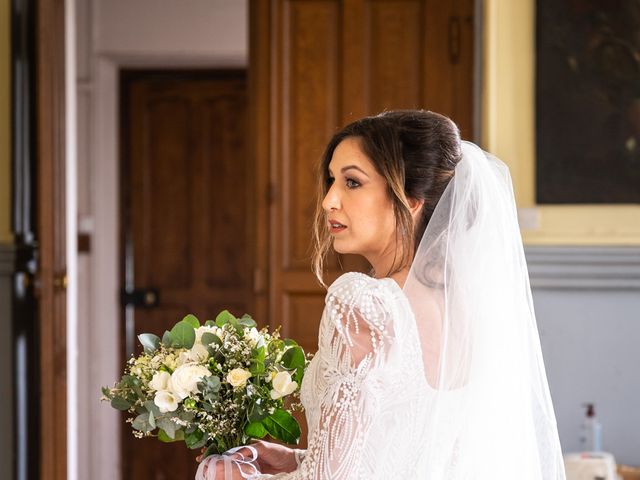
(590, 431)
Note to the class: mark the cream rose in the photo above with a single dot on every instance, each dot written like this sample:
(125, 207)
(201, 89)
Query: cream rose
(160, 380)
(166, 401)
(282, 385)
(238, 377)
(184, 380)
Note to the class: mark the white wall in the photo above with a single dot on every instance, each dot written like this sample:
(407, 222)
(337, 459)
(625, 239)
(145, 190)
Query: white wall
(587, 303)
(591, 346)
(112, 34)
(195, 28)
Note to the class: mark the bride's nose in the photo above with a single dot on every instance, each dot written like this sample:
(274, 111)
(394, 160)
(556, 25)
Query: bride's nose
(331, 200)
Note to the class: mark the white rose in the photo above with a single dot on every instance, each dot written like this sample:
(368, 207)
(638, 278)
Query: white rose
(254, 336)
(198, 353)
(160, 380)
(238, 377)
(183, 357)
(184, 380)
(166, 401)
(282, 385)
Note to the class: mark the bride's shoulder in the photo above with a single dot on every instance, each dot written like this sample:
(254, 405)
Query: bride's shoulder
(357, 300)
(353, 286)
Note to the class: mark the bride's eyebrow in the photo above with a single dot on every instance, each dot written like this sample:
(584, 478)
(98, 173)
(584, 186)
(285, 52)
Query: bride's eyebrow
(349, 167)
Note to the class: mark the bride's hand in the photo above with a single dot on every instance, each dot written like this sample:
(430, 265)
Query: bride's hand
(220, 467)
(274, 458)
(220, 471)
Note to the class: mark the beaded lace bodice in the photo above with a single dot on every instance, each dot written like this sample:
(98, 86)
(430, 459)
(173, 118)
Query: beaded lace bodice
(365, 387)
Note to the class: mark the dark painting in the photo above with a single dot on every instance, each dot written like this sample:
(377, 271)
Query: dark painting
(588, 101)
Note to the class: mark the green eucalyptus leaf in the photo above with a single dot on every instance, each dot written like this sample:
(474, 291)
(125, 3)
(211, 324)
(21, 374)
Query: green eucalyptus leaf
(167, 426)
(224, 317)
(208, 338)
(120, 403)
(288, 342)
(186, 416)
(192, 320)
(212, 383)
(142, 423)
(209, 323)
(152, 420)
(255, 430)
(183, 335)
(164, 436)
(167, 340)
(152, 408)
(293, 358)
(247, 321)
(149, 341)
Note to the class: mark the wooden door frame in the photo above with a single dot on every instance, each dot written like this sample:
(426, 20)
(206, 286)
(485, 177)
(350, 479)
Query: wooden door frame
(51, 227)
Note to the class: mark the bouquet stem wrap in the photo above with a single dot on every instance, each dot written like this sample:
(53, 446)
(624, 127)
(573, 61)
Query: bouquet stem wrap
(243, 464)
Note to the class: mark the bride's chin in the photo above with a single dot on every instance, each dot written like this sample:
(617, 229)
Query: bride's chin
(338, 248)
(341, 248)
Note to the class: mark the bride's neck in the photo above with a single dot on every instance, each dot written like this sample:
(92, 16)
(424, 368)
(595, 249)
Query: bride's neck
(382, 268)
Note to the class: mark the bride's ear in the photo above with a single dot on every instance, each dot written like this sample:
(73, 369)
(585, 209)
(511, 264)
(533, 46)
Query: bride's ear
(415, 206)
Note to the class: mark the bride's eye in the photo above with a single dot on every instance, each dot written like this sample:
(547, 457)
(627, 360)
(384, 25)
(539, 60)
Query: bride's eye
(351, 183)
(329, 181)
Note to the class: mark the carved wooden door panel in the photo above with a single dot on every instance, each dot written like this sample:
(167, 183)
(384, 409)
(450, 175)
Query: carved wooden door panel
(187, 218)
(316, 66)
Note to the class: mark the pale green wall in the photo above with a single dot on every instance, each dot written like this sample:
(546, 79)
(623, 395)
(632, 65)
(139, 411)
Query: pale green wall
(5, 128)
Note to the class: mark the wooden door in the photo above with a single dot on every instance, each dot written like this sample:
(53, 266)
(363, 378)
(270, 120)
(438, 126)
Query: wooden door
(318, 65)
(187, 218)
(50, 462)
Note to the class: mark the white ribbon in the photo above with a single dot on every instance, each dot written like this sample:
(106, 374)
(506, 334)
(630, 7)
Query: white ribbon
(210, 463)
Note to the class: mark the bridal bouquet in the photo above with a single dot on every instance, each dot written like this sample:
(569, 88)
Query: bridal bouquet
(215, 385)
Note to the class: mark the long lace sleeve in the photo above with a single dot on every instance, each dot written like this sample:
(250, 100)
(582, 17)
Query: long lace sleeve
(355, 335)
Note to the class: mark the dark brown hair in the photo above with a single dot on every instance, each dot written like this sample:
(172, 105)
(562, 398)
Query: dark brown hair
(416, 151)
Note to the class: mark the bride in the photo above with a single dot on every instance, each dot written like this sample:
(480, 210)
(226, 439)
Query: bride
(430, 366)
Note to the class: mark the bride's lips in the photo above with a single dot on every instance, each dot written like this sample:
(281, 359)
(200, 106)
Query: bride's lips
(335, 226)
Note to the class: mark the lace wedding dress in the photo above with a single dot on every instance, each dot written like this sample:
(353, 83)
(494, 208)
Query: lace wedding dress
(442, 379)
(365, 384)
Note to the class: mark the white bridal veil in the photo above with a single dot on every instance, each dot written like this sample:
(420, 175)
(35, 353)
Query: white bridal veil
(491, 415)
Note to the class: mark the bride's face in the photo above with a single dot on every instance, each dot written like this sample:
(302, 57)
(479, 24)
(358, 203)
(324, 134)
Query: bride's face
(358, 200)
